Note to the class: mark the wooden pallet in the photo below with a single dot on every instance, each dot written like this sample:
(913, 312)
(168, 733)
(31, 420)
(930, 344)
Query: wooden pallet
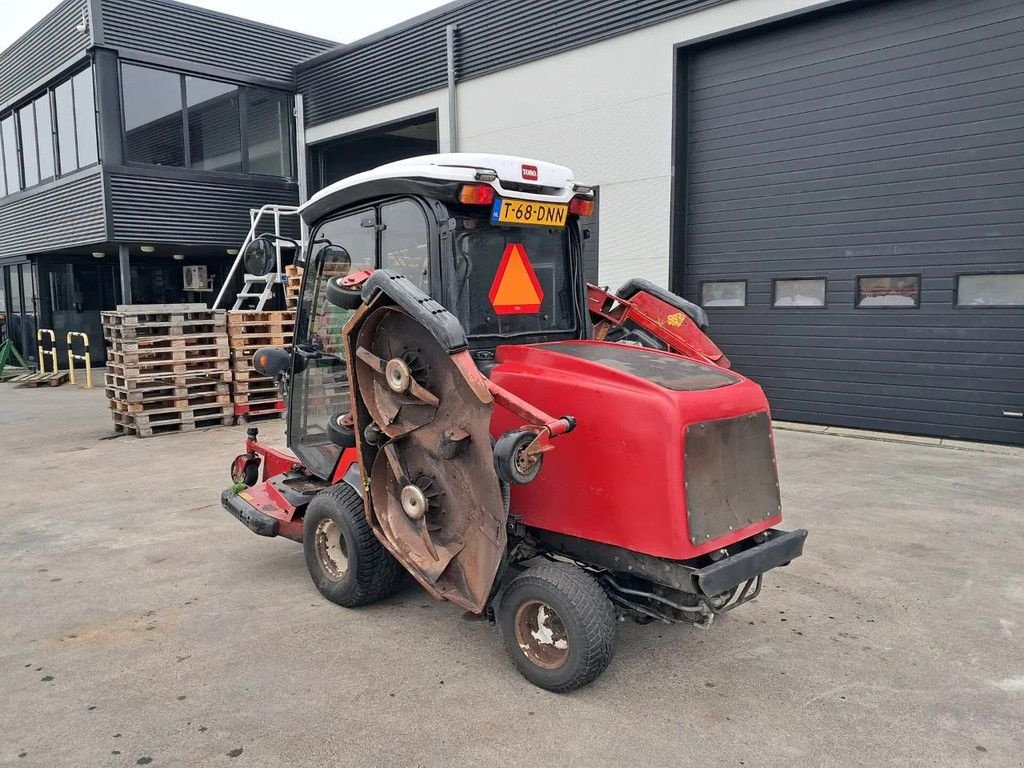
(243, 390)
(247, 317)
(52, 379)
(158, 391)
(157, 369)
(173, 420)
(115, 380)
(292, 286)
(172, 404)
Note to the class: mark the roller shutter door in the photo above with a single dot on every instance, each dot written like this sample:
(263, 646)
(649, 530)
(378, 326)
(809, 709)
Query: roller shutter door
(878, 139)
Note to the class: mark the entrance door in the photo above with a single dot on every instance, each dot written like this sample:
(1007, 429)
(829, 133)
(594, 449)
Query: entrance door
(319, 383)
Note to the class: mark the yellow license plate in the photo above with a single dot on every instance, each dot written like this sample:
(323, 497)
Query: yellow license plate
(529, 212)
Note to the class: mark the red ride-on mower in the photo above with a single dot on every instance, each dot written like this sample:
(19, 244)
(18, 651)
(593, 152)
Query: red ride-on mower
(463, 407)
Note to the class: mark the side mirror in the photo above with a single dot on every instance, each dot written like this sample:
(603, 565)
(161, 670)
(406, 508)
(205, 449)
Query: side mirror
(271, 361)
(259, 257)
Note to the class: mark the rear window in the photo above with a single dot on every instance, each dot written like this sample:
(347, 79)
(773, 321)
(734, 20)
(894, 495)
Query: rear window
(493, 300)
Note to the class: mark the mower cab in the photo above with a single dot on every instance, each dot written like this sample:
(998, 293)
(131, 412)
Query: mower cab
(463, 406)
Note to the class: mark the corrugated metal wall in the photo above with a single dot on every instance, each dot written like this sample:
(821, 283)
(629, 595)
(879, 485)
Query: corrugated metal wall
(887, 139)
(188, 211)
(60, 216)
(51, 43)
(491, 37)
(189, 33)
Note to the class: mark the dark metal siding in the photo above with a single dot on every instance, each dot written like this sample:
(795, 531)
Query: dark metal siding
(492, 36)
(881, 139)
(49, 45)
(61, 215)
(170, 29)
(187, 211)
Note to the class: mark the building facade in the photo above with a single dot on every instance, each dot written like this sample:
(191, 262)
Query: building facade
(840, 184)
(135, 135)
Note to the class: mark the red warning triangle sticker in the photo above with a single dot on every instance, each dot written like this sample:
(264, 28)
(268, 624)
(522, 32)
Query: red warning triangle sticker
(515, 290)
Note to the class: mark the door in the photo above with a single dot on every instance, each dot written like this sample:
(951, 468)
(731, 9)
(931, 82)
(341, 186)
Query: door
(319, 381)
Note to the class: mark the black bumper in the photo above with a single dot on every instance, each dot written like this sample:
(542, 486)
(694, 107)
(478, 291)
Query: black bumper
(779, 549)
(256, 521)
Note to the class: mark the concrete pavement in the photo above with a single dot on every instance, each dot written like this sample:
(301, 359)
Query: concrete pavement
(141, 625)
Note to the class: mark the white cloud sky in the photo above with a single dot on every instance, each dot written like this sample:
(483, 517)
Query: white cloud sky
(341, 20)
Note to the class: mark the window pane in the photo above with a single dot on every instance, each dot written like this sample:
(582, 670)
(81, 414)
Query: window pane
(29, 158)
(901, 291)
(268, 132)
(990, 290)
(10, 143)
(65, 108)
(85, 119)
(152, 116)
(404, 242)
(44, 133)
(800, 293)
(214, 136)
(731, 293)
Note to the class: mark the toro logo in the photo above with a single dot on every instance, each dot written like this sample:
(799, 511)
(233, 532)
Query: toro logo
(530, 172)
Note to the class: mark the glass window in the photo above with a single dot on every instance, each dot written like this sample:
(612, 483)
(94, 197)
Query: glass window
(1006, 290)
(896, 291)
(29, 155)
(724, 293)
(152, 116)
(404, 242)
(64, 106)
(214, 136)
(807, 292)
(10, 147)
(268, 132)
(85, 119)
(44, 135)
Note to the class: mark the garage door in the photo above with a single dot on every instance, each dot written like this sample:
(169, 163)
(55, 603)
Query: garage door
(855, 213)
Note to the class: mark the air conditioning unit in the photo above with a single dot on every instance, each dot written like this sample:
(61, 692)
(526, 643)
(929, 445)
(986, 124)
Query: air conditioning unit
(195, 278)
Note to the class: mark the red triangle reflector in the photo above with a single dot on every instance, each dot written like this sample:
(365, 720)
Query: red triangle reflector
(515, 290)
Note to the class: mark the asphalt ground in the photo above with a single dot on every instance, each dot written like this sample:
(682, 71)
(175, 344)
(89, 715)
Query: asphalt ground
(141, 625)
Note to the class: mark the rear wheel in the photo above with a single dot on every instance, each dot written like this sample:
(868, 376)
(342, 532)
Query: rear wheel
(345, 560)
(558, 626)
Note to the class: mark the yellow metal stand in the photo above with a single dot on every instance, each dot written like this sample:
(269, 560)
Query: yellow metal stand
(84, 357)
(52, 351)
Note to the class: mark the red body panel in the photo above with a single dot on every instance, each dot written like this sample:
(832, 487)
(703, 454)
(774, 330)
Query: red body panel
(618, 478)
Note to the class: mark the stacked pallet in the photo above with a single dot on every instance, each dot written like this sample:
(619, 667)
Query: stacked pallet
(293, 281)
(168, 368)
(253, 395)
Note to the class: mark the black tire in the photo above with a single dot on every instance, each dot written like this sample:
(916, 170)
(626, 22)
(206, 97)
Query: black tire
(339, 434)
(342, 297)
(507, 451)
(370, 573)
(583, 617)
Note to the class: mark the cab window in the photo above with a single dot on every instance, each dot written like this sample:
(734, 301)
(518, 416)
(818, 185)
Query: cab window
(404, 242)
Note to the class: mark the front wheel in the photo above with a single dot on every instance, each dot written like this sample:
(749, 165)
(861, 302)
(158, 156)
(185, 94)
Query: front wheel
(345, 560)
(558, 626)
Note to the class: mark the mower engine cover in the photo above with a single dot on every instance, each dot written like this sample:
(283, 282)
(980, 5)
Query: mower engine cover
(422, 413)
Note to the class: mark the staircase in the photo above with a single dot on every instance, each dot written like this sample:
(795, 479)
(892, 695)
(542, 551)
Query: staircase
(257, 290)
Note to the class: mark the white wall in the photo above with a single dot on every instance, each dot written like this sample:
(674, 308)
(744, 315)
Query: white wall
(604, 110)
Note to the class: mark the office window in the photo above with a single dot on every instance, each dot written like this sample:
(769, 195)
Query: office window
(214, 135)
(268, 132)
(152, 116)
(64, 106)
(9, 137)
(724, 293)
(889, 291)
(799, 292)
(44, 136)
(29, 151)
(85, 118)
(1006, 290)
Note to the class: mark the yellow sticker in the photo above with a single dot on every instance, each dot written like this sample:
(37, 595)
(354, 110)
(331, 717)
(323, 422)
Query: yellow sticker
(676, 320)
